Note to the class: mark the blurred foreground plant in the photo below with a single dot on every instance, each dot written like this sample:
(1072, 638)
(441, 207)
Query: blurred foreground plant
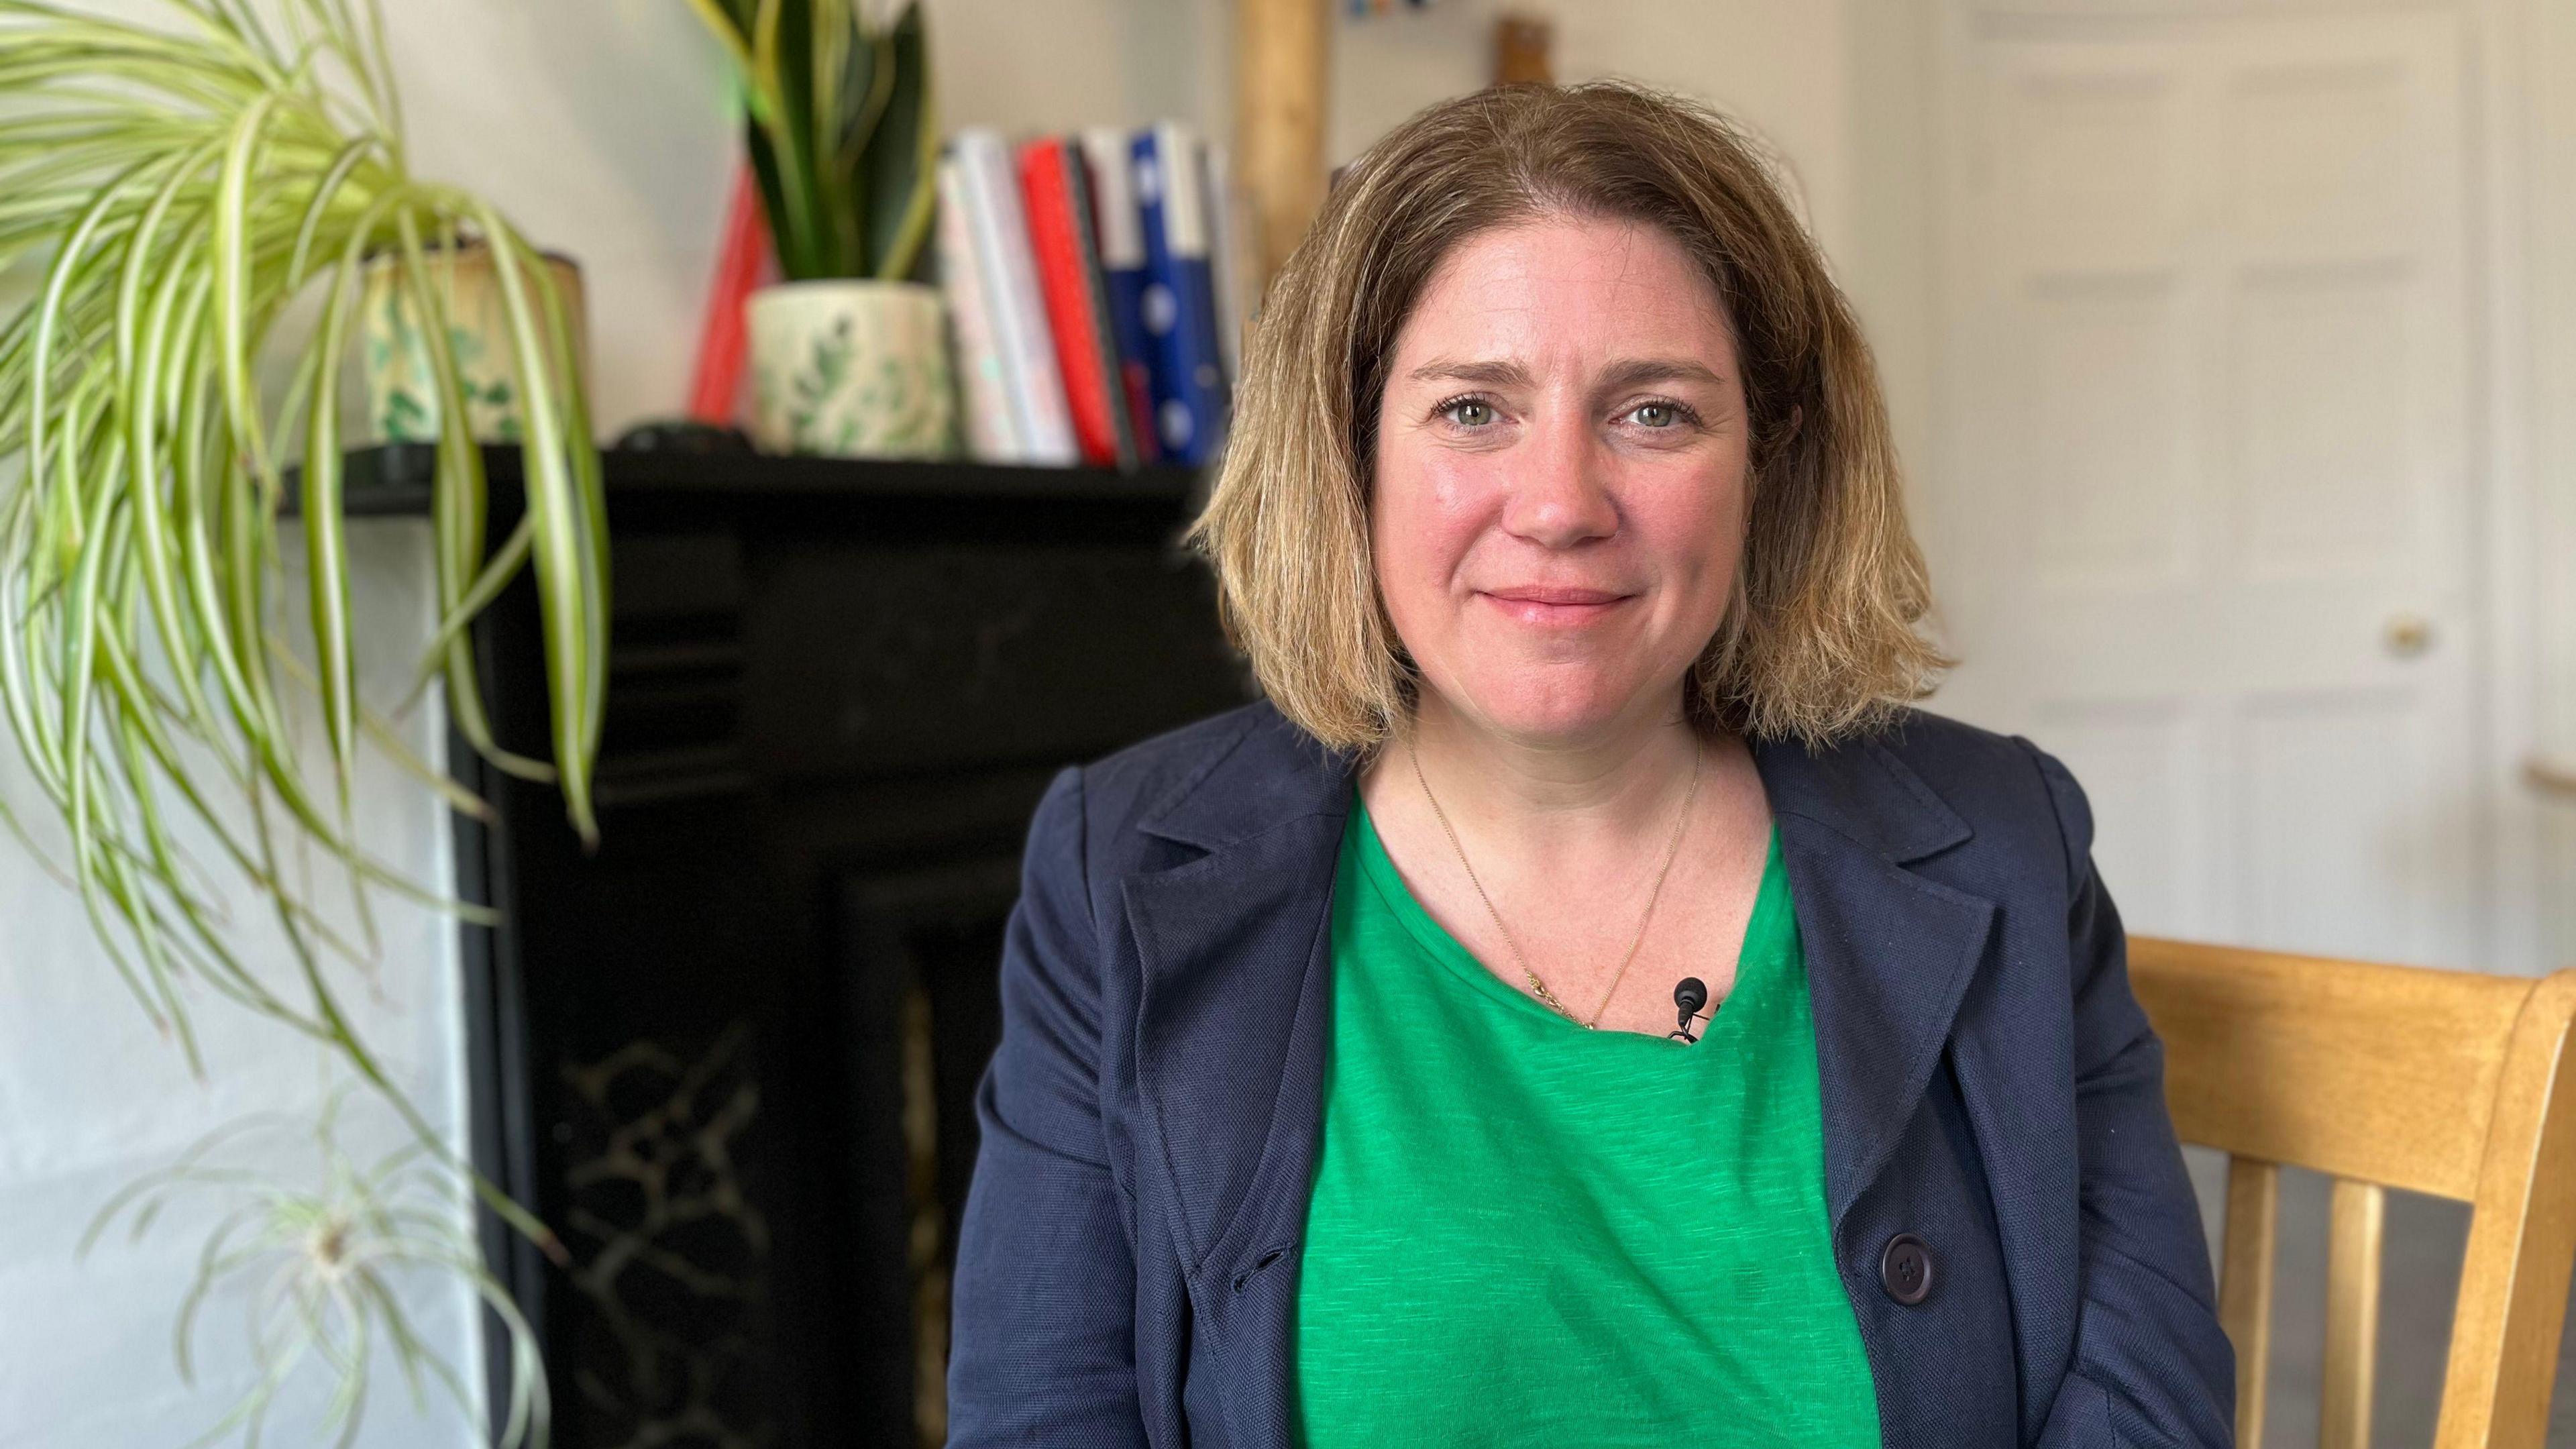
(196, 201)
(318, 1269)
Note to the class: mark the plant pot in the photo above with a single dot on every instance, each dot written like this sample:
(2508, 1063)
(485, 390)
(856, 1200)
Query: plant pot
(402, 388)
(851, 369)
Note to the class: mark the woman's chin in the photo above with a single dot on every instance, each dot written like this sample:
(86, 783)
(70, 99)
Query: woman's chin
(1565, 709)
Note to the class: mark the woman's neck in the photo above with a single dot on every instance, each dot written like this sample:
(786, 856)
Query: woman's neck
(1613, 785)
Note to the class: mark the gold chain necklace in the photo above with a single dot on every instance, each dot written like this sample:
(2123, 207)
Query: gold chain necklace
(1538, 988)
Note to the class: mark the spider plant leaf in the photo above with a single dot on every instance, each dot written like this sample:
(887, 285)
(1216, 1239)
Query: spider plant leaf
(326, 544)
(197, 502)
(382, 734)
(497, 574)
(326, 193)
(49, 305)
(568, 591)
(147, 407)
(590, 491)
(348, 1406)
(232, 263)
(212, 1262)
(217, 967)
(460, 503)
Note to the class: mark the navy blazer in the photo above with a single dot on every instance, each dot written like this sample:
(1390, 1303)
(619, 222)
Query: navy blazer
(1127, 1271)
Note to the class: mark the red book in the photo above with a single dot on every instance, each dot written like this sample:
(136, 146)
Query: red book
(1057, 195)
(739, 267)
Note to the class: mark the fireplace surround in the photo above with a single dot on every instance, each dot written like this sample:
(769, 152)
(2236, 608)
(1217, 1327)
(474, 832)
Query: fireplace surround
(730, 1057)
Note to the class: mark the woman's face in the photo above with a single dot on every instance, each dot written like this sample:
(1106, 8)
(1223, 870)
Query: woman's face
(1560, 496)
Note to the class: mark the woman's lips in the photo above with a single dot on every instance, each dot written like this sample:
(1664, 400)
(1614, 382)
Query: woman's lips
(1553, 607)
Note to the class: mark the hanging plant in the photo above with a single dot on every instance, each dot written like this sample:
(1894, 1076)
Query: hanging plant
(195, 201)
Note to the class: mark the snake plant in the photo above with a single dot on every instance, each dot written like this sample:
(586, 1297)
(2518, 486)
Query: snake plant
(194, 202)
(841, 134)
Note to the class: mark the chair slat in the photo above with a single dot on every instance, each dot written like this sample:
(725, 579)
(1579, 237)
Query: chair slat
(2353, 1241)
(2245, 1283)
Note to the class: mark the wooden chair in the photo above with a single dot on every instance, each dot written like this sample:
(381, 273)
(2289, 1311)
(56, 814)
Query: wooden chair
(2438, 1082)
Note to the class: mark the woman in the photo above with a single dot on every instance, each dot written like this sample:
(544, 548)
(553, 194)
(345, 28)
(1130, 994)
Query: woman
(1584, 1002)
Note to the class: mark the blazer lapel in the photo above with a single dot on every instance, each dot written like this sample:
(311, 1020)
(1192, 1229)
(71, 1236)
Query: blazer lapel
(1235, 953)
(1889, 952)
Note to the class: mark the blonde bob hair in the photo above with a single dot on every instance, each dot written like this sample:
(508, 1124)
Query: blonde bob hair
(1818, 642)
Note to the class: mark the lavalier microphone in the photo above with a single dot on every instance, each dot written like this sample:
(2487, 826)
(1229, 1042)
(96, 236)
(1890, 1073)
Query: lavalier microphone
(1690, 994)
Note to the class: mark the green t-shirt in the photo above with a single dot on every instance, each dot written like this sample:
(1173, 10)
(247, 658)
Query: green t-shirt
(1523, 1232)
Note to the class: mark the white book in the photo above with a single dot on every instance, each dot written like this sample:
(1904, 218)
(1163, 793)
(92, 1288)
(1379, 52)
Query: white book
(992, 423)
(1012, 304)
(1113, 203)
(1229, 263)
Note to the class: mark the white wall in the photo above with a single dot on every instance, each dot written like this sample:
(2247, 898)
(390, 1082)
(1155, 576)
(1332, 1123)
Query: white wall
(1776, 64)
(91, 1099)
(2548, 126)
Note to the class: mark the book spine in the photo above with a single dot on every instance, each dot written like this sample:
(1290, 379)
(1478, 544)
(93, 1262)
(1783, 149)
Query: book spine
(1210, 370)
(1012, 301)
(1055, 239)
(1120, 232)
(1095, 295)
(1180, 304)
(1230, 260)
(992, 428)
(717, 383)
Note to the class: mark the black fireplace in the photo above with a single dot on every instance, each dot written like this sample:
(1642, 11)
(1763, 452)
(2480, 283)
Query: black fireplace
(730, 1057)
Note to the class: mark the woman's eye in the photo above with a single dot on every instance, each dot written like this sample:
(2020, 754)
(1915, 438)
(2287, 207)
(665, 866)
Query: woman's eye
(1655, 415)
(1468, 412)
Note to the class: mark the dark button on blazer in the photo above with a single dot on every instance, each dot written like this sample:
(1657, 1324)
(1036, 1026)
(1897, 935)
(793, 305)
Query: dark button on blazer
(1127, 1271)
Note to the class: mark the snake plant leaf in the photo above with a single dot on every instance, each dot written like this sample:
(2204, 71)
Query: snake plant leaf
(839, 131)
(900, 161)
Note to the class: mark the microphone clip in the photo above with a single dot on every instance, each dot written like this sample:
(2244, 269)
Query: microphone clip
(1689, 995)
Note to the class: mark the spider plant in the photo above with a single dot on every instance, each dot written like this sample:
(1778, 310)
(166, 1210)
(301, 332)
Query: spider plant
(195, 198)
(320, 1272)
(841, 131)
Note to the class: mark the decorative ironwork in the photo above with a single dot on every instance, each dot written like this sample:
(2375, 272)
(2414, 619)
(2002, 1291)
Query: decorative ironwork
(669, 1251)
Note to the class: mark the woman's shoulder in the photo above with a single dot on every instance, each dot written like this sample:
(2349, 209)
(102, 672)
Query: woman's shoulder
(1211, 779)
(2009, 793)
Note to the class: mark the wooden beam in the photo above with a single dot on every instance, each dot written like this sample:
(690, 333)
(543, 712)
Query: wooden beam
(1281, 53)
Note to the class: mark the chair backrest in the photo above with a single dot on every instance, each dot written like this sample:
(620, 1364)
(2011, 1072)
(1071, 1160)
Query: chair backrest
(2442, 1082)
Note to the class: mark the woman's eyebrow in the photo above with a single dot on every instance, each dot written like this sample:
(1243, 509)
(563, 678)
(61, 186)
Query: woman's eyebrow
(1637, 371)
(1491, 373)
(1633, 372)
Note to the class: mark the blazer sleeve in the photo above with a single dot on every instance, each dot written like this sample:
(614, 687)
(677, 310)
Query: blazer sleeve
(2152, 1366)
(1042, 1345)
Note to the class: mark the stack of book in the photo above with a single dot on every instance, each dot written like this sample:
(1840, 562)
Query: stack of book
(1092, 285)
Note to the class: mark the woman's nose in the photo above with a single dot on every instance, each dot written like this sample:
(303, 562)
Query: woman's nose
(1560, 494)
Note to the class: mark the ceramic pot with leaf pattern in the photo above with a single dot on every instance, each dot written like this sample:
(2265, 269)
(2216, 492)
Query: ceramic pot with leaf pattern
(402, 392)
(851, 369)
